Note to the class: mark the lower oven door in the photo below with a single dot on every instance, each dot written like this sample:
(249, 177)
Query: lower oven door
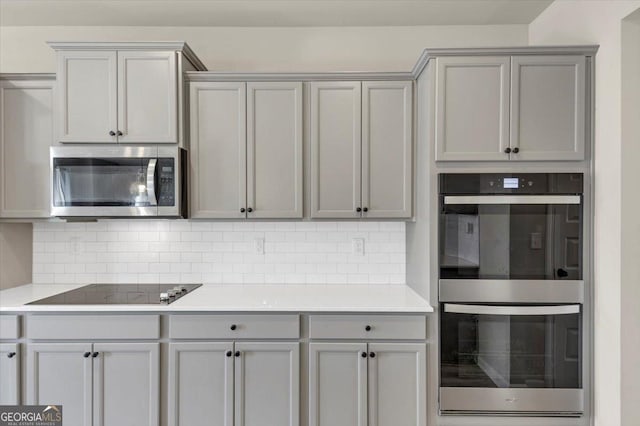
(524, 359)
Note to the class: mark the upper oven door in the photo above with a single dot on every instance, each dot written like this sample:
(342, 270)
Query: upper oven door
(104, 181)
(511, 237)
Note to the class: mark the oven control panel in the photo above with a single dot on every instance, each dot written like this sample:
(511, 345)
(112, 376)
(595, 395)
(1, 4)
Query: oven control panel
(166, 182)
(511, 183)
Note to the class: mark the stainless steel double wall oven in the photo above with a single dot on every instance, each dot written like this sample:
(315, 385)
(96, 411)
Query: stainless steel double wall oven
(511, 293)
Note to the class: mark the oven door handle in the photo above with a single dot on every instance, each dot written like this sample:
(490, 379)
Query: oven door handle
(151, 182)
(512, 199)
(511, 310)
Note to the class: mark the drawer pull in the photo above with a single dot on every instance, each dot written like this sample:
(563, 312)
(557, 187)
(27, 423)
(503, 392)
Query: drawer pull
(233, 327)
(367, 328)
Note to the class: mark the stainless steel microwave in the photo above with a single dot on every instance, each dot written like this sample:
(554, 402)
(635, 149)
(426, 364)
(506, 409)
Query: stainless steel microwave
(132, 181)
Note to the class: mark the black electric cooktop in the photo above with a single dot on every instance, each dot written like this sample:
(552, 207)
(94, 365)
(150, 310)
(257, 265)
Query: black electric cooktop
(120, 294)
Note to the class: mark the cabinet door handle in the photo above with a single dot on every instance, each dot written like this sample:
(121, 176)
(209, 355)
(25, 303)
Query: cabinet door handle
(95, 354)
(119, 133)
(112, 133)
(358, 209)
(249, 209)
(372, 354)
(11, 354)
(86, 354)
(229, 353)
(507, 150)
(242, 210)
(366, 209)
(363, 354)
(367, 328)
(233, 327)
(516, 150)
(237, 354)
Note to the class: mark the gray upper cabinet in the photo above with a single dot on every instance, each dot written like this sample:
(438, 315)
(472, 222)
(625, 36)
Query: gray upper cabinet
(201, 384)
(548, 107)
(218, 143)
(26, 117)
(336, 149)
(9, 374)
(274, 150)
(497, 108)
(61, 373)
(386, 149)
(361, 149)
(126, 384)
(246, 150)
(472, 108)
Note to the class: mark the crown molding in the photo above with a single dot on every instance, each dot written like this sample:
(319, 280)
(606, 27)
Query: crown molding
(304, 76)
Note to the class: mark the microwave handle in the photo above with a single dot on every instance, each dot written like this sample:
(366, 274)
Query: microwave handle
(511, 199)
(151, 182)
(511, 310)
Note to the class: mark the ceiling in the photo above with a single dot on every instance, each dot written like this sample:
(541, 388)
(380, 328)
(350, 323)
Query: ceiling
(268, 13)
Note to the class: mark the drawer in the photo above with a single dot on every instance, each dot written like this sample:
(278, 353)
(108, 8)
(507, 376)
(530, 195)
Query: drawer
(401, 327)
(9, 327)
(92, 327)
(234, 327)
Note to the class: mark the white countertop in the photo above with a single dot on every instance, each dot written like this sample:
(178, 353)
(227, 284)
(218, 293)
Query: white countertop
(240, 298)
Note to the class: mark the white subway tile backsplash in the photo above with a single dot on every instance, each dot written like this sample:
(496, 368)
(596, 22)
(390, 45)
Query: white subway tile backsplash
(141, 251)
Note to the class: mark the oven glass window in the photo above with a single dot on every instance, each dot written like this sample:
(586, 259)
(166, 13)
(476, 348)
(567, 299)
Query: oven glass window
(510, 351)
(102, 182)
(511, 241)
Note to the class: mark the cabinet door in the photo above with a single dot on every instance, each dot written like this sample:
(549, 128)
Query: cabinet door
(60, 374)
(87, 109)
(126, 384)
(335, 149)
(201, 384)
(387, 148)
(9, 374)
(274, 150)
(472, 108)
(267, 378)
(218, 150)
(147, 97)
(26, 123)
(397, 384)
(337, 384)
(548, 107)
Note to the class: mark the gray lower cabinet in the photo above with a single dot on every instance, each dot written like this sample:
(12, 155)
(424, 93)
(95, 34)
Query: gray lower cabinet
(9, 373)
(234, 384)
(101, 384)
(360, 384)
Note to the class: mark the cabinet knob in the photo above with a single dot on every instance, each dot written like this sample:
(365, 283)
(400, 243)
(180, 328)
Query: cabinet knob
(249, 209)
(233, 327)
(242, 210)
(86, 354)
(372, 354)
(367, 328)
(11, 354)
(229, 353)
(95, 354)
(237, 354)
(507, 150)
(358, 209)
(112, 133)
(516, 150)
(366, 209)
(119, 133)
(363, 354)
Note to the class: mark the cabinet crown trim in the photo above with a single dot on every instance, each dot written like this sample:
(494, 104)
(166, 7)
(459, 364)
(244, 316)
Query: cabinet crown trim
(302, 76)
(180, 46)
(428, 54)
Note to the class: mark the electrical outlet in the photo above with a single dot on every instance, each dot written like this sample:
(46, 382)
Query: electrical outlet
(358, 246)
(258, 246)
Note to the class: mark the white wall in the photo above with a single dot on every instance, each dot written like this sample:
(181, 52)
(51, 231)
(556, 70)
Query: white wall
(23, 49)
(599, 22)
(630, 291)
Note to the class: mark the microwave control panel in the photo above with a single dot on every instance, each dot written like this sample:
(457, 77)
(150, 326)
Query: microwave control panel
(166, 182)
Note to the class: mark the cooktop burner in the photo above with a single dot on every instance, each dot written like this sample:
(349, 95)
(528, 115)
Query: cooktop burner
(120, 294)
